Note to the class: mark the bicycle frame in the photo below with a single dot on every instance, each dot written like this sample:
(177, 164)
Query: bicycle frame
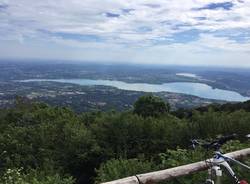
(220, 160)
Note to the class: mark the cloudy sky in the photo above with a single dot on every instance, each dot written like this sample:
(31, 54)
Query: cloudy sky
(195, 32)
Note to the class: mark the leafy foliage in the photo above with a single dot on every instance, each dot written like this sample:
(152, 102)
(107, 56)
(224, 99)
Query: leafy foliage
(45, 137)
(115, 169)
(119, 168)
(15, 176)
(55, 145)
(129, 135)
(150, 106)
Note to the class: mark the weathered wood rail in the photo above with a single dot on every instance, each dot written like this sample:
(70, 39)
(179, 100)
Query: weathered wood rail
(168, 174)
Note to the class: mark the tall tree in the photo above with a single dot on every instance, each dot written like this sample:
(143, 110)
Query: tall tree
(150, 105)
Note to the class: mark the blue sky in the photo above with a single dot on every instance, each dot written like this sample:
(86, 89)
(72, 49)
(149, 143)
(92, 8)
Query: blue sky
(181, 32)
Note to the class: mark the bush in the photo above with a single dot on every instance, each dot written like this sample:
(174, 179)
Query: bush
(127, 135)
(120, 168)
(46, 137)
(16, 176)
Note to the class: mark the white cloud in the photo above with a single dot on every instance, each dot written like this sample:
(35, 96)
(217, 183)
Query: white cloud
(87, 17)
(143, 27)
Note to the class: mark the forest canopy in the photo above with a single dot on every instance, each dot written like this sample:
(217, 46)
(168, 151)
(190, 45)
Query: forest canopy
(42, 144)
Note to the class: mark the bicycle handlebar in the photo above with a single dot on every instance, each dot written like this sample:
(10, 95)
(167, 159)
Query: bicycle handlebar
(216, 144)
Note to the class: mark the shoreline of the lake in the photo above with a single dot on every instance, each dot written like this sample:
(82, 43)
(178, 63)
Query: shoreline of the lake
(201, 90)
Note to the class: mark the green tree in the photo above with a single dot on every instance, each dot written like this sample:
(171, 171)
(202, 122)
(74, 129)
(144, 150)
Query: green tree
(127, 134)
(37, 136)
(150, 105)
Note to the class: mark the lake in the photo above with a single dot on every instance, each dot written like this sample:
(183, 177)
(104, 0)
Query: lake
(196, 89)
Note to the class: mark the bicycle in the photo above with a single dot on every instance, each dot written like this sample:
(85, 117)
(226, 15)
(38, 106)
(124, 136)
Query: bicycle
(218, 160)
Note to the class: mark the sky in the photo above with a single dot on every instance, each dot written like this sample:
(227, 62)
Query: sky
(179, 32)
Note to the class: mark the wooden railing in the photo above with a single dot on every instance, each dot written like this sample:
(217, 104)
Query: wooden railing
(169, 174)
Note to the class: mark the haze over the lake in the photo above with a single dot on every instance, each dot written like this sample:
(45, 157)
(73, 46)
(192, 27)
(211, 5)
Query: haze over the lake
(180, 32)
